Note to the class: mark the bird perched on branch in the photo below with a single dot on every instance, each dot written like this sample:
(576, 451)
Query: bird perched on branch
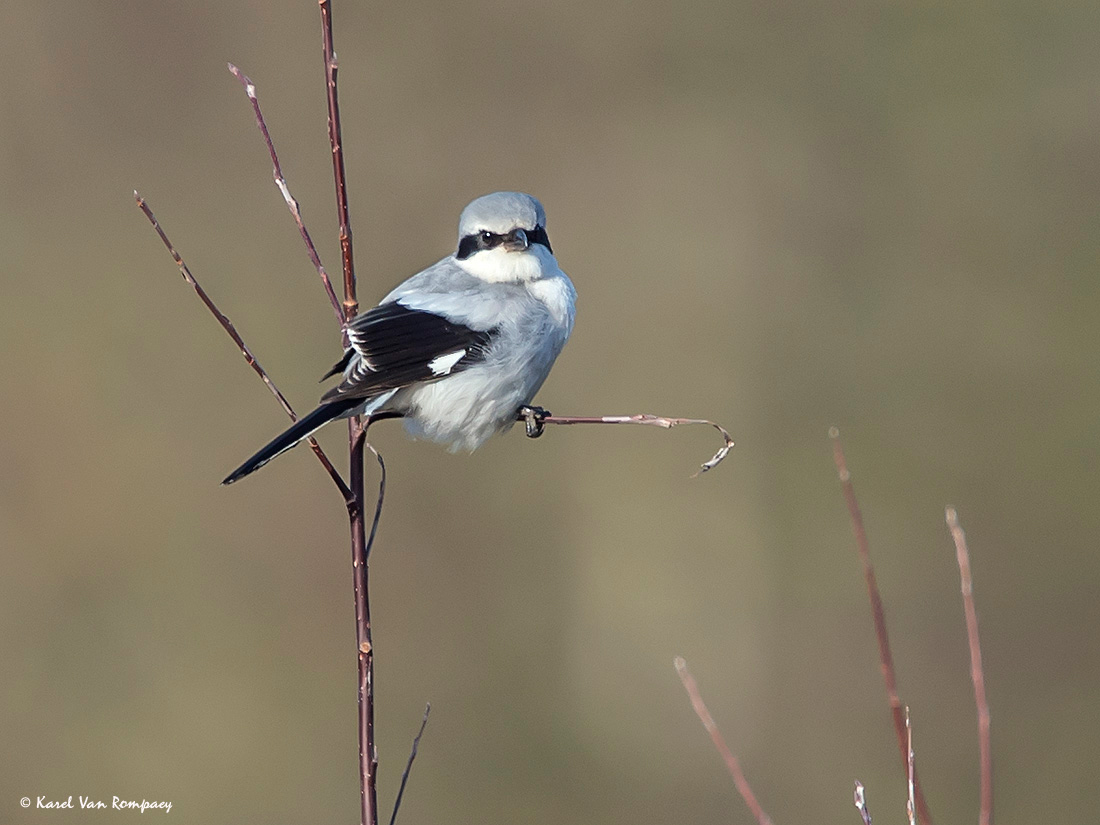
(460, 348)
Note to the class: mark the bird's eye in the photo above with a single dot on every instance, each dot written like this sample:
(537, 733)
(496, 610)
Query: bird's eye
(487, 238)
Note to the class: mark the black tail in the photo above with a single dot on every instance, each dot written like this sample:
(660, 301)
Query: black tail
(301, 429)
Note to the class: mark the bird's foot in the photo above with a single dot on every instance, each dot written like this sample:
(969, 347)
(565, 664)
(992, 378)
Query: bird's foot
(534, 419)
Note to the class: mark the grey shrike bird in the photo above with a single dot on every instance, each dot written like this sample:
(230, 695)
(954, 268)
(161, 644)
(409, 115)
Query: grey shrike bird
(459, 348)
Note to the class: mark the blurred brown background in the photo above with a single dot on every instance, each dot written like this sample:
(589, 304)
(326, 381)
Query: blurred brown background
(778, 215)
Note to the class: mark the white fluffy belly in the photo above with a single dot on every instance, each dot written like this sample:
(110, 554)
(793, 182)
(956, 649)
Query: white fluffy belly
(465, 409)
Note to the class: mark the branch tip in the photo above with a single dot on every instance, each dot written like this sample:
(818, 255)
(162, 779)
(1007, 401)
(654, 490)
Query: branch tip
(284, 189)
(732, 763)
(977, 672)
(246, 81)
(231, 331)
(878, 615)
(662, 421)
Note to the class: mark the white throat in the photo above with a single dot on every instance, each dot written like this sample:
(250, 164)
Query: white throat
(501, 266)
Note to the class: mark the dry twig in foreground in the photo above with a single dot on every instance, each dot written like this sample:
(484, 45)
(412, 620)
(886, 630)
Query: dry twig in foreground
(886, 658)
(732, 765)
(977, 674)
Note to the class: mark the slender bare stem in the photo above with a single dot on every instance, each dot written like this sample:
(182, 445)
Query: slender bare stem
(368, 758)
(291, 203)
(351, 303)
(651, 420)
(860, 799)
(910, 760)
(409, 764)
(231, 330)
(732, 765)
(878, 614)
(361, 544)
(977, 673)
(357, 439)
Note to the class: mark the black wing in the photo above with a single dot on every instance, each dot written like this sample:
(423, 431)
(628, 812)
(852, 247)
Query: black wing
(399, 346)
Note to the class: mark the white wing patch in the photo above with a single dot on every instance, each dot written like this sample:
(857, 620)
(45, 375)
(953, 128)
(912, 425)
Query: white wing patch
(443, 364)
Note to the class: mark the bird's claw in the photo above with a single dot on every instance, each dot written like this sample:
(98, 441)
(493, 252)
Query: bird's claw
(534, 419)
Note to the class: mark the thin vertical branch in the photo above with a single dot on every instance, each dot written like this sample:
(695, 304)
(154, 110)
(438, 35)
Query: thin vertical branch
(231, 330)
(368, 758)
(351, 303)
(977, 673)
(732, 764)
(284, 188)
(357, 437)
(878, 614)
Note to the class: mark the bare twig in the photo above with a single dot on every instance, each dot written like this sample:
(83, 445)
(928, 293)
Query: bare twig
(357, 438)
(368, 756)
(652, 420)
(231, 330)
(861, 803)
(732, 765)
(292, 204)
(977, 674)
(351, 303)
(381, 486)
(409, 764)
(886, 658)
(910, 804)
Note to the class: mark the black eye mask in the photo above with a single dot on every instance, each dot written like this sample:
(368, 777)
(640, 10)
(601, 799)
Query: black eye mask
(488, 240)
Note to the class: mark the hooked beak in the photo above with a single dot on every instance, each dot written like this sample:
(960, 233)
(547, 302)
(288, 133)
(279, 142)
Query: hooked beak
(516, 241)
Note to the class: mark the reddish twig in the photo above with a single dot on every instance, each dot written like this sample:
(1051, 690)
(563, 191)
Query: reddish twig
(911, 771)
(291, 203)
(886, 658)
(231, 330)
(732, 765)
(357, 438)
(409, 764)
(368, 758)
(652, 420)
(977, 674)
(861, 803)
(351, 303)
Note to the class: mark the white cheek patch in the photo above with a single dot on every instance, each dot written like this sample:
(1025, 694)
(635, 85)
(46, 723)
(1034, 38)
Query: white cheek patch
(445, 363)
(500, 265)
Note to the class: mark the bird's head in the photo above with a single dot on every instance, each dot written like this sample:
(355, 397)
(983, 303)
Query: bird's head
(502, 239)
